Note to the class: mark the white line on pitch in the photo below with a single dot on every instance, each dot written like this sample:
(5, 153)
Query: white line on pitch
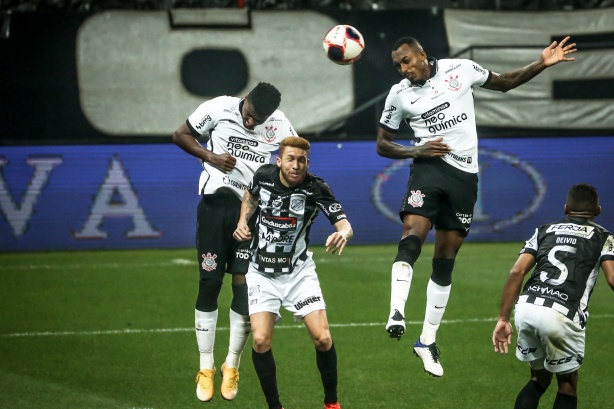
(295, 326)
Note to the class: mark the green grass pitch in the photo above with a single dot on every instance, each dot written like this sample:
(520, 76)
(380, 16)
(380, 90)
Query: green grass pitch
(114, 329)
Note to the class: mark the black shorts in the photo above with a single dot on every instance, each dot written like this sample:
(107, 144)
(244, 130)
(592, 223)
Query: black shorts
(442, 193)
(218, 251)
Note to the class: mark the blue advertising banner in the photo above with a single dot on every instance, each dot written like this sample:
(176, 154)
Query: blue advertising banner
(145, 196)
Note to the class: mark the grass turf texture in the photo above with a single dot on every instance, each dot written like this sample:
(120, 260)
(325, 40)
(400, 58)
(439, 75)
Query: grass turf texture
(114, 329)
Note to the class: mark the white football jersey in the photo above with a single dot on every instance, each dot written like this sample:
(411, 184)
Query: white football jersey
(443, 106)
(221, 119)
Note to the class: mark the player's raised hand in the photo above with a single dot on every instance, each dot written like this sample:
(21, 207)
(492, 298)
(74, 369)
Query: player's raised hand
(555, 53)
(502, 336)
(434, 148)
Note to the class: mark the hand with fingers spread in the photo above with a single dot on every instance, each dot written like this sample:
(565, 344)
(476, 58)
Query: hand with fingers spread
(555, 53)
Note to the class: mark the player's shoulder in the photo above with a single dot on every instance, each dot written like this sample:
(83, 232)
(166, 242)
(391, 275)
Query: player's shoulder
(448, 66)
(266, 170)
(277, 116)
(223, 105)
(402, 86)
(316, 183)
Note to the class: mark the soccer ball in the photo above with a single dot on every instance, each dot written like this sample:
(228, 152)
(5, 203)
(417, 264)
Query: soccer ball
(343, 44)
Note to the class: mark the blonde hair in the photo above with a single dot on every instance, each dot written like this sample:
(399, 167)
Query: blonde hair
(294, 142)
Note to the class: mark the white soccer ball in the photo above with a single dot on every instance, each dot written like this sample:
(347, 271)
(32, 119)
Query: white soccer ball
(343, 44)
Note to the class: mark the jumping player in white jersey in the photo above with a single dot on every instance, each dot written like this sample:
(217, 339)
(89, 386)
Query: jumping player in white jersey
(284, 201)
(242, 134)
(552, 310)
(435, 98)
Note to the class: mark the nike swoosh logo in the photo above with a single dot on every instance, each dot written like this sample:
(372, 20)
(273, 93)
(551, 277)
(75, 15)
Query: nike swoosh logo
(412, 102)
(407, 281)
(438, 307)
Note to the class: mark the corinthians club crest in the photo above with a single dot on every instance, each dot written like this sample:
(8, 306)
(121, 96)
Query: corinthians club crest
(416, 198)
(269, 134)
(453, 83)
(209, 263)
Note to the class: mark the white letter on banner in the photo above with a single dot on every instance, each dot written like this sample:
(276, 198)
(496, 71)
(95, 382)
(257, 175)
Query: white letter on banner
(116, 181)
(19, 217)
(129, 69)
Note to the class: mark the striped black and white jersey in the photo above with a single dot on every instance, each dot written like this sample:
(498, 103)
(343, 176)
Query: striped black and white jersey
(284, 218)
(220, 119)
(568, 255)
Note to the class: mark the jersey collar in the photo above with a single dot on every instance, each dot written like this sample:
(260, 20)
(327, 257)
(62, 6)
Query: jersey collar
(434, 67)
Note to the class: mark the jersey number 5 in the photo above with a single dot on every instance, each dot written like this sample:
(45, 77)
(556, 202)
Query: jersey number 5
(558, 264)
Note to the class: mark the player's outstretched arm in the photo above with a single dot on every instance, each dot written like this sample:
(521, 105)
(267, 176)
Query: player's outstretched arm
(551, 55)
(336, 242)
(387, 148)
(502, 334)
(249, 205)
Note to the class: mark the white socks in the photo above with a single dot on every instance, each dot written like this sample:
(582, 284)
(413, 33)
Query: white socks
(402, 274)
(205, 323)
(436, 302)
(240, 329)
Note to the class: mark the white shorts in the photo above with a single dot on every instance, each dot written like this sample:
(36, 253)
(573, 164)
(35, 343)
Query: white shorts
(547, 339)
(298, 292)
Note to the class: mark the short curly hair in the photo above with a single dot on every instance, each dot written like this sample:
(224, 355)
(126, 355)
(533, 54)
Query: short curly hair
(265, 98)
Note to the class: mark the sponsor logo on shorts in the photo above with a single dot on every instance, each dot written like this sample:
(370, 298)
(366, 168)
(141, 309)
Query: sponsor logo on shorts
(464, 218)
(209, 263)
(416, 199)
(253, 302)
(560, 361)
(307, 301)
(243, 254)
(525, 351)
(254, 290)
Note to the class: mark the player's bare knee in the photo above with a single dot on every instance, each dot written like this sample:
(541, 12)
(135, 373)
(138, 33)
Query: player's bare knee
(261, 341)
(323, 343)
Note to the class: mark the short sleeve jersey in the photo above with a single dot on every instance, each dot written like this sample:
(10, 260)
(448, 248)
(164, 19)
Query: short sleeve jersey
(284, 218)
(442, 107)
(568, 255)
(220, 119)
